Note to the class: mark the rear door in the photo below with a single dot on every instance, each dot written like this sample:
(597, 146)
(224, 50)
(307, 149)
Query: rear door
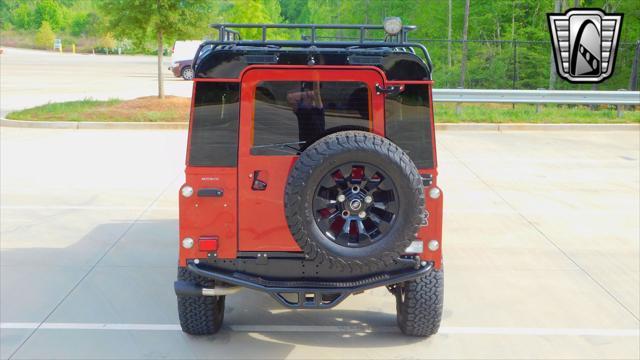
(282, 112)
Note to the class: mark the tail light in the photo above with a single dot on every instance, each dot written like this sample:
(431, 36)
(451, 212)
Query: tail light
(208, 243)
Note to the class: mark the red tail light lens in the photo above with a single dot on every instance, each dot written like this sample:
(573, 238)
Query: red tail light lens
(208, 243)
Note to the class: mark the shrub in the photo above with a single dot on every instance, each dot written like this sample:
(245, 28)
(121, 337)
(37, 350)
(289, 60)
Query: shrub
(107, 42)
(45, 36)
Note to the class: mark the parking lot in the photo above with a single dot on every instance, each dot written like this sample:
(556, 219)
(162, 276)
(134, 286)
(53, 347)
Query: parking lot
(30, 77)
(541, 245)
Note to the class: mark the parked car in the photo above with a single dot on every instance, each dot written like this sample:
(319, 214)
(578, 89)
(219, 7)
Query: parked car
(182, 55)
(311, 175)
(183, 69)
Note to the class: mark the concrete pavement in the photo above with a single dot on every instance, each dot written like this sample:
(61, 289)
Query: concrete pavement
(541, 243)
(32, 77)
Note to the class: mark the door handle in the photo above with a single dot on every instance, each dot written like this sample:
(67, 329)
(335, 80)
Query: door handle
(258, 183)
(391, 90)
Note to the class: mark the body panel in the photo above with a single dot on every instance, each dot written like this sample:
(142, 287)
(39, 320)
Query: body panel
(262, 223)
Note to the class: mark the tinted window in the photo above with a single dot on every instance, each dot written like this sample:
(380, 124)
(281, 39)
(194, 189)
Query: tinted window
(214, 132)
(408, 123)
(294, 114)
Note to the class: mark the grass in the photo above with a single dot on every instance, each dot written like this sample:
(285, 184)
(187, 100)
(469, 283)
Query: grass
(144, 109)
(525, 113)
(176, 109)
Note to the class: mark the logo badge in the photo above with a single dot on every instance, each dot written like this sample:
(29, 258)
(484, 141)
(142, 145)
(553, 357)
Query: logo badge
(584, 43)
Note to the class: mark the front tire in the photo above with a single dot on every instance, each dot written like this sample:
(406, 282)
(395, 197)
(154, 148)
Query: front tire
(187, 73)
(419, 304)
(199, 315)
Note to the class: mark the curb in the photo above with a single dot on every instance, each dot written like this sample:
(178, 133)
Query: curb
(93, 125)
(78, 125)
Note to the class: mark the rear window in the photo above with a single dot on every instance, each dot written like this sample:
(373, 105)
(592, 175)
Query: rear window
(408, 123)
(291, 115)
(214, 132)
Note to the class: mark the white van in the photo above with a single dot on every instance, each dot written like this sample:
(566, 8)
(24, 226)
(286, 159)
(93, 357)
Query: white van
(182, 55)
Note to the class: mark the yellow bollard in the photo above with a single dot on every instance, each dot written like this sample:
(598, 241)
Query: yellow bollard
(73, 48)
(60, 49)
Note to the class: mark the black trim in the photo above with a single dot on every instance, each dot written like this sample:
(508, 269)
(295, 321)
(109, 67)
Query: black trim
(427, 179)
(210, 192)
(305, 294)
(270, 254)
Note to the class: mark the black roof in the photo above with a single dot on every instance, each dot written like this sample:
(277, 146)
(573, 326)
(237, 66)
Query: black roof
(229, 55)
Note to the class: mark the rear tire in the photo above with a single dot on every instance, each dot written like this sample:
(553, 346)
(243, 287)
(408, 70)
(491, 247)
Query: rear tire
(187, 73)
(419, 304)
(199, 315)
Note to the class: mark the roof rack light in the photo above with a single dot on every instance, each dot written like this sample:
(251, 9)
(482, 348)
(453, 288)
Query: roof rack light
(392, 25)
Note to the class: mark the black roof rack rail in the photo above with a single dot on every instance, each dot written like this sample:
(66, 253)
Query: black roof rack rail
(227, 35)
(401, 37)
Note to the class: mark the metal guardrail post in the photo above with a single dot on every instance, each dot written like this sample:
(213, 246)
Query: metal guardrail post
(537, 104)
(458, 106)
(620, 108)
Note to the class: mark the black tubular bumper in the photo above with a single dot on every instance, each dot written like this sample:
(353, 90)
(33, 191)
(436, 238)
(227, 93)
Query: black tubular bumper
(300, 294)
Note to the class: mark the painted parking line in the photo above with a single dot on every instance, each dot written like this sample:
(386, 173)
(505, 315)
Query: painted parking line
(333, 329)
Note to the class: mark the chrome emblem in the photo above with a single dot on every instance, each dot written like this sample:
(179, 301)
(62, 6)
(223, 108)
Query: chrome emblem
(584, 43)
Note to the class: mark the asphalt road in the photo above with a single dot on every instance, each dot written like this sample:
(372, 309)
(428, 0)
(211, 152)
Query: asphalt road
(540, 241)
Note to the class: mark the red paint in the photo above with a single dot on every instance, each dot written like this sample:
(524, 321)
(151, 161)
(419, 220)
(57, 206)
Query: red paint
(259, 224)
(262, 223)
(203, 216)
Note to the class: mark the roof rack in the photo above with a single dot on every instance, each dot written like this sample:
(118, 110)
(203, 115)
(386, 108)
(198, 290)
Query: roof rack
(397, 42)
(225, 32)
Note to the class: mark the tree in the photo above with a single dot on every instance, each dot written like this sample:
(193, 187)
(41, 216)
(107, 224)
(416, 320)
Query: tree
(45, 36)
(553, 75)
(107, 42)
(50, 11)
(165, 19)
(23, 16)
(449, 34)
(465, 47)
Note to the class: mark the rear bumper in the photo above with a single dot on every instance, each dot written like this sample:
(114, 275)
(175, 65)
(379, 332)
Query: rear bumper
(301, 294)
(176, 70)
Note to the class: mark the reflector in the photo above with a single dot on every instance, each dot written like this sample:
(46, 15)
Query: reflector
(209, 243)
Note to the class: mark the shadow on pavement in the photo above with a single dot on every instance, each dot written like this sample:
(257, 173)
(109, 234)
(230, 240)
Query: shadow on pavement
(133, 283)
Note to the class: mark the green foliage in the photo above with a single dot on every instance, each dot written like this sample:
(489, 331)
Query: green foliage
(255, 11)
(86, 24)
(45, 36)
(107, 41)
(22, 17)
(489, 65)
(50, 11)
(140, 19)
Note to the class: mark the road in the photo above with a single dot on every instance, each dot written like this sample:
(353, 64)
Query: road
(31, 77)
(540, 243)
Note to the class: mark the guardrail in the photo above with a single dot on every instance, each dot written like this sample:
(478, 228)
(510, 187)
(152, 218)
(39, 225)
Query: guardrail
(537, 96)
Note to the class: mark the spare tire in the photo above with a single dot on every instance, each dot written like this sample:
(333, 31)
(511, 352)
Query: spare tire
(354, 199)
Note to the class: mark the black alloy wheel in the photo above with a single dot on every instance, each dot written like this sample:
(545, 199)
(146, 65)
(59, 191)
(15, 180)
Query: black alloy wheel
(355, 204)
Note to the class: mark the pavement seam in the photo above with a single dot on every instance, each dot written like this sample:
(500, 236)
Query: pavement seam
(545, 236)
(93, 267)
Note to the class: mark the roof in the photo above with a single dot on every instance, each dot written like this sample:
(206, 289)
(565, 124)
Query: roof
(227, 56)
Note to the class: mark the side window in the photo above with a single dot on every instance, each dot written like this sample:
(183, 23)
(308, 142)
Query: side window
(214, 132)
(408, 123)
(291, 115)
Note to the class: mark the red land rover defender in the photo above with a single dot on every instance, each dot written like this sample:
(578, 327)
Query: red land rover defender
(311, 175)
